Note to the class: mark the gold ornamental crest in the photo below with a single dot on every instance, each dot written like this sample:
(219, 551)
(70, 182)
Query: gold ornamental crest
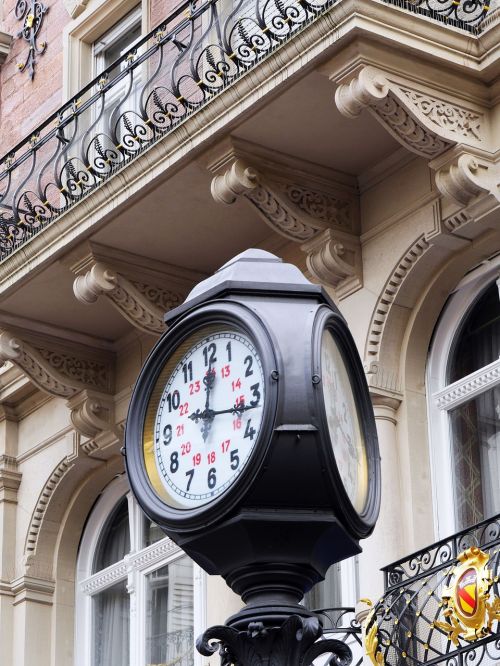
(469, 611)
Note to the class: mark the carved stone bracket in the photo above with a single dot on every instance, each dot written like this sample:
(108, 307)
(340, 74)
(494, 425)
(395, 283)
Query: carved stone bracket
(334, 258)
(10, 479)
(463, 176)
(310, 209)
(85, 379)
(422, 122)
(141, 304)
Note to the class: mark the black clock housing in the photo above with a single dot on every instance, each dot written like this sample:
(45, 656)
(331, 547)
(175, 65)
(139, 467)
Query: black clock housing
(287, 518)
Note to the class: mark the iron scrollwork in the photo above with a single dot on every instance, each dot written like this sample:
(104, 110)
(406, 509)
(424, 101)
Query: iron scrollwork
(194, 55)
(295, 643)
(31, 14)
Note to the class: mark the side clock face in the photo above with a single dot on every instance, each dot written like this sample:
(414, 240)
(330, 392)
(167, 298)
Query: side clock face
(204, 417)
(346, 435)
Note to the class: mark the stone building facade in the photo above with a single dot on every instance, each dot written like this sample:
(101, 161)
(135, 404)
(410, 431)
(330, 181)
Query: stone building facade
(147, 143)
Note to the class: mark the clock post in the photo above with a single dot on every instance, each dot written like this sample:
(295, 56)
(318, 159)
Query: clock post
(251, 442)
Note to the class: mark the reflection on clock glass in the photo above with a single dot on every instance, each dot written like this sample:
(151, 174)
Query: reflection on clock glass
(205, 417)
(343, 423)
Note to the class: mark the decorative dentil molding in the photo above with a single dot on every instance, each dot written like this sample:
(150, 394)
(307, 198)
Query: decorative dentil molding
(423, 123)
(324, 222)
(469, 387)
(143, 305)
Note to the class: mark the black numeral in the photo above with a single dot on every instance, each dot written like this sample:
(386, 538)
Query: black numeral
(249, 431)
(209, 354)
(173, 400)
(167, 434)
(187, 370)
(256, 395)
(174, 462)
(235, 460)
(248, 362)
(190, 474)
(228, 349)
(211, 479)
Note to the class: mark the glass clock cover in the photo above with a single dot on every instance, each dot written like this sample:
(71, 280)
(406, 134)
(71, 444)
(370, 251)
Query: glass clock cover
(343, 421)
(204, 417)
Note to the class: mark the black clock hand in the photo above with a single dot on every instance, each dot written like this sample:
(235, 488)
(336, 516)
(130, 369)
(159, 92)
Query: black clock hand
(208, 415)
(208, 380)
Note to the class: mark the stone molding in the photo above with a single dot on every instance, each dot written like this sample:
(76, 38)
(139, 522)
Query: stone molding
(5, 44)
(75, 7)
(31, 588)
(467, 389)
(320, 214)
(53, 369)
(93, 413)
(131, 288)
(424, 123)
(10, 479)
(463, 176)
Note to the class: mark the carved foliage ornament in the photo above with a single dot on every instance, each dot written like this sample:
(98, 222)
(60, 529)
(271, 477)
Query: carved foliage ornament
(470, 609)
(31, 14)
(424, 124)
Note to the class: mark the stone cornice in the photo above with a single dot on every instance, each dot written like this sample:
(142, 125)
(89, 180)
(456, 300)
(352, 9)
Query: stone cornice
(28, 588)
(10, 479)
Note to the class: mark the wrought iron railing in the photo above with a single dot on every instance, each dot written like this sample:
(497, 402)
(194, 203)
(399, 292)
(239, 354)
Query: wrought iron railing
(441, 604)
(201, 49)
(340, 623)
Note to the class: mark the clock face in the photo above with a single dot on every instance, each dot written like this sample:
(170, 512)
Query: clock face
(343, 420)
(204, 417)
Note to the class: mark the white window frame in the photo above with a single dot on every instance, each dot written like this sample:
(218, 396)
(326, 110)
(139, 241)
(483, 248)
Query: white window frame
(133, 569)
(442, 397)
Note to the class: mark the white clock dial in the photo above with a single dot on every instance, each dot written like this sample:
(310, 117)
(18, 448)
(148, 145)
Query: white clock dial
(208, 418)
(343, 423)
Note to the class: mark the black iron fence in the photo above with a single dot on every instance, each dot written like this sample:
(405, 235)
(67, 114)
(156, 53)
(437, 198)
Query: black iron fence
(441, 604)
(200, 49)
(340, 623)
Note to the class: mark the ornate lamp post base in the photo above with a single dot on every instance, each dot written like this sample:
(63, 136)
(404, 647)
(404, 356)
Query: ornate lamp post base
(294, 643)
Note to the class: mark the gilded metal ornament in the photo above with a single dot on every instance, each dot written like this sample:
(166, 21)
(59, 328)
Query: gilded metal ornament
(470, 612)
(32, 16)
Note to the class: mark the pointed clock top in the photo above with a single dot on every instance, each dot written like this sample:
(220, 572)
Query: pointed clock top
(251, 271)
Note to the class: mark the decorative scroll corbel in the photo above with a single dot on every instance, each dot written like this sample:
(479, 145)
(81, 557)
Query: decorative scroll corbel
(334, 258)
(318, 214)
(422, 122)
(142, 305)
(466, 176)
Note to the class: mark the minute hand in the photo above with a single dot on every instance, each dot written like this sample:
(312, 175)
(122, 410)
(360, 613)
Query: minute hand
(234, 410)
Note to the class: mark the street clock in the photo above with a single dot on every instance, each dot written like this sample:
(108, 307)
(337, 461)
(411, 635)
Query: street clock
(250, 437)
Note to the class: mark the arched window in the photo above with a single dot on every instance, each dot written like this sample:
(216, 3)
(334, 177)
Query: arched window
(137, 593)
(463, 383)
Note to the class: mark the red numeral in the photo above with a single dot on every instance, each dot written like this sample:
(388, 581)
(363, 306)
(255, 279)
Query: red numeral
(225, 445)
(183, 409)
(196, 459)
(236, 424)
(185, 448)
(240, 400)
(236, 384)
(194, 387)
(225, 371)
(179, 430)
(211, 457)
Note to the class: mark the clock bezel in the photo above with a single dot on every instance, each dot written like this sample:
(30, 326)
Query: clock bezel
(361, 522)
(220, 314)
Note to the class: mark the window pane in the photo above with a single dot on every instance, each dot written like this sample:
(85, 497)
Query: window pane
(479, 339)
(115, 540)
(169, 615)
(327, 593)
(111, 627)
(152, 533)
(476, 458)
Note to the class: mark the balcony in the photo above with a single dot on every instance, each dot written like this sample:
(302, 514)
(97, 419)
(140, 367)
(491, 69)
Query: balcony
(417, 621)
(194, 58)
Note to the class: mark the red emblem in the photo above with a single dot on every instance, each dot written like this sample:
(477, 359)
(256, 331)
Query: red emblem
(466, 592)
